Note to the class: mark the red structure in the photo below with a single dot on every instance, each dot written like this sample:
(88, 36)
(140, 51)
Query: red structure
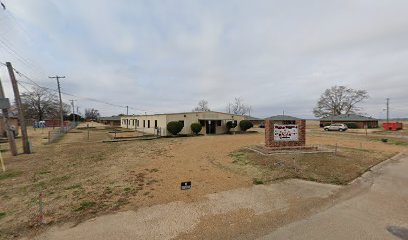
(54, 123)
(393, 126)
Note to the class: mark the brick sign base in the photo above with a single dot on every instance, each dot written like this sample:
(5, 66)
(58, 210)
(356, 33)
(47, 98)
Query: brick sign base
(269, 134)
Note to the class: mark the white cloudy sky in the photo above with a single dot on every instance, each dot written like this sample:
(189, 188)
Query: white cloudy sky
(164, 56)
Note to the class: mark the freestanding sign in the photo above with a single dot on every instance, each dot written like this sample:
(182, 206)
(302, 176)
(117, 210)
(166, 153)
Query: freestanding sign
(285, 132)
(186, 185)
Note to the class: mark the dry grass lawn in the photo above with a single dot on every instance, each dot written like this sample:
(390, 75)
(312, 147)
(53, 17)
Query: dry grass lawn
(84, 178)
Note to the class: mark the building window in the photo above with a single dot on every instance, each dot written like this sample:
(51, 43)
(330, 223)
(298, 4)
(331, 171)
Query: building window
(219, 123)
(182, 122)
(202, 122)
(155, 123)
(144, 123)
(148, 123)
(137, 122)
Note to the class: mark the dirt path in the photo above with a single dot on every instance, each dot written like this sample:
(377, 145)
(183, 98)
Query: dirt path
(197, 159)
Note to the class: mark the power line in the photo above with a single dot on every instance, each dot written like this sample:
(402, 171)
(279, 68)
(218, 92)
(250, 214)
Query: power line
(33, 83)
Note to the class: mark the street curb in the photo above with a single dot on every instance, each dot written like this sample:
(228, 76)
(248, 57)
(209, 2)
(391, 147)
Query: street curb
(371, 170)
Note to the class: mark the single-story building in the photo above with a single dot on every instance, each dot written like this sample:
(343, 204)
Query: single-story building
(255, 121)
(212, 122)
(358, 121)
(113, 121)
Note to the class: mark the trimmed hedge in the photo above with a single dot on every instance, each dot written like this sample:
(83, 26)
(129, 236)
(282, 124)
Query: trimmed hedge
(196, 128)
(245, 125)
(231, 124)
(174, 127)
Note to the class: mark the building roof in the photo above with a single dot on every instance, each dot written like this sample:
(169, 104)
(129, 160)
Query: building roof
(282, 118)
(112, 118)
(348, 117)
(253, 118)
(138, 115)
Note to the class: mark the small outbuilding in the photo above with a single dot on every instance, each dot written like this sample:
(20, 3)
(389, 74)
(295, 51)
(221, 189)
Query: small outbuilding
(351, 120)
(257, 122)
(113, 121)
(393, 126)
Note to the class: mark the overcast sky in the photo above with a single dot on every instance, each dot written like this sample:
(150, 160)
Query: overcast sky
(164, 56)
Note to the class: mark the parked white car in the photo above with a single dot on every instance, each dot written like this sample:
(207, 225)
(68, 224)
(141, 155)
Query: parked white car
(336, 127)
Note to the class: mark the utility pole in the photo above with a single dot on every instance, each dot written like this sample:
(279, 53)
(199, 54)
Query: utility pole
(26, 144)
(59, 92)
(10, 134)
(388, 110)
(127, 110)
(73, 110)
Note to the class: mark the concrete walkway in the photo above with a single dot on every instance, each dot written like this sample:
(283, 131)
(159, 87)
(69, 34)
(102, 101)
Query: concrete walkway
(372, 214)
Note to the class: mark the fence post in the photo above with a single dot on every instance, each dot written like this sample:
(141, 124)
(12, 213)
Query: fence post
(41, 210)
(2, 162)
(49, 136)
(335, 150)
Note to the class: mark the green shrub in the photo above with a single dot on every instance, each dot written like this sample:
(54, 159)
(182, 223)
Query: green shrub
(174, 127)
(351, 125)
(245, 125)
(257, 181)
(196, 128)
(231, 124)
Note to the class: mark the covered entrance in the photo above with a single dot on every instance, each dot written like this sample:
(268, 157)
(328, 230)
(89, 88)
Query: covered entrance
(210, 126)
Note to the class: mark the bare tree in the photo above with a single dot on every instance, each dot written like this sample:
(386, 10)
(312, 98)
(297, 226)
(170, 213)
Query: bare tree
(39, 104)
(202, 106)
(339, 100)
(91, 114)
(237, 107)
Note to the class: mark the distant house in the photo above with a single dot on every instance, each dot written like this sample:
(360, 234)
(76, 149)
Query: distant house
(285, 119)
(211, 122)
(255, 121)
(113, 121)
(354, 120)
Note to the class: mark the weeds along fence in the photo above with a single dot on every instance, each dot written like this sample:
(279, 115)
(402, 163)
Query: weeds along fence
(56, 134)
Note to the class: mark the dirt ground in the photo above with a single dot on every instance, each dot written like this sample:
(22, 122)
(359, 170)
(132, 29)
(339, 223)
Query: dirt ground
(84, 178)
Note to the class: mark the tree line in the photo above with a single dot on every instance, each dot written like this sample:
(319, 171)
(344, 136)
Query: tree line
(40, 104)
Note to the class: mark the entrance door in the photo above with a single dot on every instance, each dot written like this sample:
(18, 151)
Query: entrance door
(210, 127)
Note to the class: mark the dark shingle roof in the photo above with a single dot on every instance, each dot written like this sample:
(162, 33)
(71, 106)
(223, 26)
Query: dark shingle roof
(282, 118)
(253, 118)
(348, 117)
(113, 118)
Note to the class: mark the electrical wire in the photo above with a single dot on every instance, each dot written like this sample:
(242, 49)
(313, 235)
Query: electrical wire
(33, 83)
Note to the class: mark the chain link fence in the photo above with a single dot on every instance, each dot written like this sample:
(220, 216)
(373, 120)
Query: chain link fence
(57, 133)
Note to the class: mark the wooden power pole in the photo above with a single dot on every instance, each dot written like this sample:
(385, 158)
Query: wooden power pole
(73, 110)
(26, 144)
(59, 92)
(10, 134)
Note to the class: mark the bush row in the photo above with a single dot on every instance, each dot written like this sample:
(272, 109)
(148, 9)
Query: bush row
(175, 127)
